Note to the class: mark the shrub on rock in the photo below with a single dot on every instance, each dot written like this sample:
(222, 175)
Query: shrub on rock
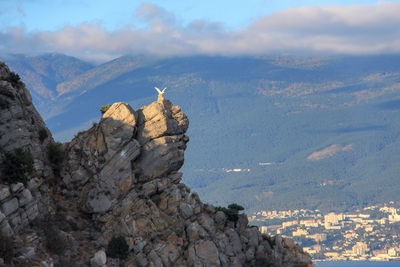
(118, 248)
(103, 109)
(16, 165)
(43, 134)
(232, 212)
(55, 154)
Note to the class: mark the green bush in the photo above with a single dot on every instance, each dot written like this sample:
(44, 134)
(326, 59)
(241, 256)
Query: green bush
(232, 212)
(235, 206)
(56, 155)
(118, 248)
(4, 104)
(14, 78)
(73, 225)
(6, 248)
(56, 241)
(43, 134)
(103, 109)
(270, 240)
(16, 165)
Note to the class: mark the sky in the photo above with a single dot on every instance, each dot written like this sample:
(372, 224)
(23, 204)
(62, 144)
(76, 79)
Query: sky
(101, 30)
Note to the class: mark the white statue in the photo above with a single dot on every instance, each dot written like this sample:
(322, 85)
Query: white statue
(160, 94)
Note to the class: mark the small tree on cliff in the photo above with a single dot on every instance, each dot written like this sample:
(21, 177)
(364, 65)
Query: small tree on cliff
(16, 165)
(232, 212)
(103, 109)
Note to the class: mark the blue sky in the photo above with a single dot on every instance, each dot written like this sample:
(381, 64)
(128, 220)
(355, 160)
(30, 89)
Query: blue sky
(39, 15)
(86, 28)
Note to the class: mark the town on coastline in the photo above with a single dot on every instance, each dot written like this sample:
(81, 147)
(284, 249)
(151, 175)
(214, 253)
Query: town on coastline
(368, 234)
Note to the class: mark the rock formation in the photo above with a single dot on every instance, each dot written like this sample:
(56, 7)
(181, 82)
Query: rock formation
(119, 181)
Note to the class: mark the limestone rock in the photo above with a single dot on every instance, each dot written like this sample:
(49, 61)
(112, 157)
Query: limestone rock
(99, 259)
(207, 223)
(2, 217)
(27, 254)
(24, 197)
(16, 188)
(4, 193)
(220, 219)
(10, 206)
(101, 159)
(161, 133)
(162, 156)
(32, 211)
(6, 229)
(207, 253)
(195, 232)
(186, 210)
(20, 123)
(140, 260)
(161, 119)
(98, 202)
(118, 125)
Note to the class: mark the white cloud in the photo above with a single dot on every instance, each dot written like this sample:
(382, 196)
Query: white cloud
(356, 29)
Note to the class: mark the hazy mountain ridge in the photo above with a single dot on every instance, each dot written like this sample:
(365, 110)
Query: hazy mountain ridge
(43, 73)
(275, 110)
(101, 74)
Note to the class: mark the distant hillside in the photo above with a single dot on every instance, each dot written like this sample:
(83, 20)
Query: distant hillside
(101, 74)
(315, 132)
(43, 73)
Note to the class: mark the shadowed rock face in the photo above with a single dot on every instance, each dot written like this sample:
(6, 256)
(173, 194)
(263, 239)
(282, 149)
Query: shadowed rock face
(22, 204)
(120, 178)
(20, 123)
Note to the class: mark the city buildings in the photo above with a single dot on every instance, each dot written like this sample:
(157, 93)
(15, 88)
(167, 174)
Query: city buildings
(372, 233)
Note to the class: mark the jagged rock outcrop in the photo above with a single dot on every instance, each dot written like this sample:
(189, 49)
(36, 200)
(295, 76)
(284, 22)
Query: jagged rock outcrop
(120, 179)
(125, 148)
(125, 169)
(21, 204)
(20, 123)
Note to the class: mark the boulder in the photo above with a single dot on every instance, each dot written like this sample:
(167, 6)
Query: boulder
(98, 202)
(24, 197)
(10, 206)
(195, 231)
(185, 210)
(220, 219)
(4, 193)
(99, 259)
(16, 188)
(207, 252)
(6, 229)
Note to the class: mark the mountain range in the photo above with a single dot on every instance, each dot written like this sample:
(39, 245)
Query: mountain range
(278, 132)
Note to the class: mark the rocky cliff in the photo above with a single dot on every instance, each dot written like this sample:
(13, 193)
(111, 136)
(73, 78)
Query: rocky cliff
(116, 197)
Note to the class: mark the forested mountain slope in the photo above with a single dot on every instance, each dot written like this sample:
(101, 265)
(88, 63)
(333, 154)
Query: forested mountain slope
(316, 132)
